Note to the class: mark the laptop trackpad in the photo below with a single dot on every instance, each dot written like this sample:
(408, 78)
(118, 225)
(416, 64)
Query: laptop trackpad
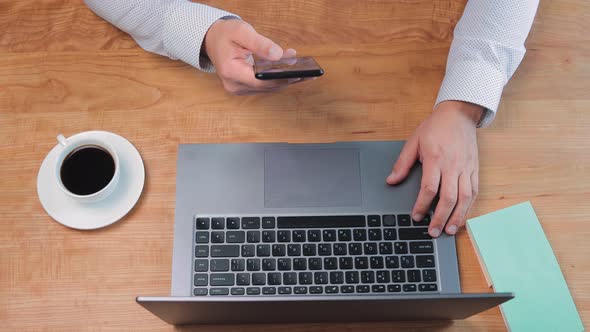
(312, 178)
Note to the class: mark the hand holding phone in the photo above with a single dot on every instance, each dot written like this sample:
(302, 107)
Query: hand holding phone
(301, 67)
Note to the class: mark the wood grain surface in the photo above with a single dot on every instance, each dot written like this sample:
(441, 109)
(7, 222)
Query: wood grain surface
(64, 70)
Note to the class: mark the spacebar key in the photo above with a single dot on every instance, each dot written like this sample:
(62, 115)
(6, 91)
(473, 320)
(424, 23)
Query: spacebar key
(225, 251)
(321, 221)
(415, 233)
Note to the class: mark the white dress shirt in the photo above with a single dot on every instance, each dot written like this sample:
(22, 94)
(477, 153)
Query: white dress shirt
(487, 48)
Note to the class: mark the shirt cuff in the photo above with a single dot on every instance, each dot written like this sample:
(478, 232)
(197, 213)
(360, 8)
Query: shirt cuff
(185, 26)
(474, 82)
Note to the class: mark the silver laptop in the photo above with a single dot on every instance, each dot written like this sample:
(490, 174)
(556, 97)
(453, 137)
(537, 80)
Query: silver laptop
(305, 233)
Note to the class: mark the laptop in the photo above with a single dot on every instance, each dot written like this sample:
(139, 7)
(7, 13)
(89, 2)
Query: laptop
(278, 232)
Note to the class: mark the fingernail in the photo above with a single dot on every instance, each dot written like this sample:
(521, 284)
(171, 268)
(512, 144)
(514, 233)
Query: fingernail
(435, 232)
(418, 217)
(391, 177)
(293, 80)
(275, 52)
(452, 229)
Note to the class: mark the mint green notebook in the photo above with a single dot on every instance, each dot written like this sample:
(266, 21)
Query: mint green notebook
(516, 257)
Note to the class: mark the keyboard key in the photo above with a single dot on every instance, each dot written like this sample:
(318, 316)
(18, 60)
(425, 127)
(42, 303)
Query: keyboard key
(299, 264)
(324, 249)
(233, 223)
(248, 250)
(299, 236)
(253, 236)
(375, 234)
(352, 277)
(407, 262)
(314, 235)
(279, 250)
(321, 222)
(268, 222)
(401, 248)
(316, 289)
(320, 278)
(200, 291)
(336, 277)
(219, 265)
(368, 277)
(376, 262)
(294, 249)
(285, 290)
(305, 278)
(414, 233)
(422, 247)
(394, 288)
(413, 275)
(274, 278)
(284, 236)
(347, 289)
(425, 261)
(253, 291)
(345, 263)
(374, 221)
(217, 237)
(201, 279)
(361, 263)
(383, 277)
(362, 289)
(243, 279)
(315, 263)
(330, 263)
(290, 278)
(268, 236)
(202, 237)
(355, 249)
(219, 291)
(250, 222)
(389, 234)
(269, 264)
(235, 236)
(309, 249)
(258, 279)
(427, 287)
(392, 262)
(202, 223)
(385, 248)
(217, 223)
(201, 265)
(403, 220)
(409, 288)
(398, 276)
(424, 222)
(269, 290)
(429, 275)
(370, 248)
(238, 291)
(238, 264)
(222, 279)
(253, 264)
(378, 288)
(231, 250)
(331, 289)
(284, 264)
(300, 290)
(389, 220)
(201, 251)
(329, 235)
(359, 235)
(340, 249)
(263, 250)
(344, 235)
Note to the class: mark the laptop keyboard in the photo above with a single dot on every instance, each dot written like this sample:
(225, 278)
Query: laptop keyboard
(313, 255)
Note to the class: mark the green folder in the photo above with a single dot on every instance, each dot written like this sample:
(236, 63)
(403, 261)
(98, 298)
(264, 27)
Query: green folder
(516, 257)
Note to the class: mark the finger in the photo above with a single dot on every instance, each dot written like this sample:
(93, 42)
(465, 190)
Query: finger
(404, 162)
(251, 40)
(464, 201)
(446, 203)
(428, 190)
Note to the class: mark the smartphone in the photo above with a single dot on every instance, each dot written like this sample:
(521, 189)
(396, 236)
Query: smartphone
(287, 68)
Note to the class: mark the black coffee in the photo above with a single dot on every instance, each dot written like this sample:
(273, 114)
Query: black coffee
(87, 170)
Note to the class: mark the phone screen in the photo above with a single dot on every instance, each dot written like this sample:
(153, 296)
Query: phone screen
(287, 68)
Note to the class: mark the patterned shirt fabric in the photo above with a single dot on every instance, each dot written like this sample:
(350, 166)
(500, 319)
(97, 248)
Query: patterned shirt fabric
(487, 47)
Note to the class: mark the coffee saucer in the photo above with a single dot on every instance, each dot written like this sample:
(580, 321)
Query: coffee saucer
(71, 213)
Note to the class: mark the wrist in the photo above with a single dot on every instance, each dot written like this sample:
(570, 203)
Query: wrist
(471, 112)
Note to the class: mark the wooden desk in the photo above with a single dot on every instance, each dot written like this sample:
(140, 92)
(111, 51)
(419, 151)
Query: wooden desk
(64, 70)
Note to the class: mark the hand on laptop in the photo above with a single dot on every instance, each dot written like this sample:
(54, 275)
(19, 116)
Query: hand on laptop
(230, 45)
(446, 145)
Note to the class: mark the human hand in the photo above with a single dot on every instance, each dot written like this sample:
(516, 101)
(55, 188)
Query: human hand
(446, 145)
(230, 45)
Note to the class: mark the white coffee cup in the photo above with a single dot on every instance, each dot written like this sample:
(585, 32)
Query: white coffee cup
(72, 143)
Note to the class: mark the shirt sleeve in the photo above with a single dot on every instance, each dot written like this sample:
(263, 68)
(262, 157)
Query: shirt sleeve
(172, 28)
(487, 48)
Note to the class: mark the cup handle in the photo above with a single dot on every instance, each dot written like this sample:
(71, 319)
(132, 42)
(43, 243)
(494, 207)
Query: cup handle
(62, 140)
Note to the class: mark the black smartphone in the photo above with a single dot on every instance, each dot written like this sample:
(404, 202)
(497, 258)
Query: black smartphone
(287, 68)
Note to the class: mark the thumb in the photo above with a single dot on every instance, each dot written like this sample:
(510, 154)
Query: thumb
(404, 162)
(256, 43)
